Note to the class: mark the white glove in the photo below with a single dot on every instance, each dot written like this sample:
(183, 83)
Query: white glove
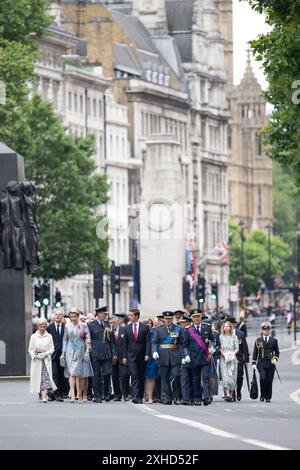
(41, 356)
(32, 355)
(155, 355)
(254, 366)
(211, 350)
(183, 362)
(187, 359)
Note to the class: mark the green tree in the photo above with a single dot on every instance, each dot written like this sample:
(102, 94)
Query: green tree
(278, 51)
(68, 191)
(256, 257)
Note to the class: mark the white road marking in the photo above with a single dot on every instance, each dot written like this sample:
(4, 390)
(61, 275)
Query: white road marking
(215, 431)
(296, 357)
(12, 402)
(295, 396)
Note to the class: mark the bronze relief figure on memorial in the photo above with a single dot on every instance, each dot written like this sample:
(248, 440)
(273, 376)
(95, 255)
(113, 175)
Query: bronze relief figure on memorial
(19, 230)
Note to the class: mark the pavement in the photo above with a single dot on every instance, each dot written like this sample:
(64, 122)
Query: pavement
(26, 424)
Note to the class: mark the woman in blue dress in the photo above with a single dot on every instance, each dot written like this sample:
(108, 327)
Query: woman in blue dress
(76, 354)
(151, 372)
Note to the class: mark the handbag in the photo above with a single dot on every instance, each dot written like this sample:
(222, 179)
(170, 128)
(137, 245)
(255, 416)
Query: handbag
(254, 387)
(62, 362)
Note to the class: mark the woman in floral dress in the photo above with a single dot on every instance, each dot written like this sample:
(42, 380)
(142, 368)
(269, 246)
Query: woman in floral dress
(228, 362)
(76, 354)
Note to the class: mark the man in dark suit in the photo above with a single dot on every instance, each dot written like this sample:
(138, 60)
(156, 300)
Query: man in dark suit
(102, 351)
(265, 357)
(166, 342)
(57, 329)
(136, 351)
(120, 376)
(198, 339)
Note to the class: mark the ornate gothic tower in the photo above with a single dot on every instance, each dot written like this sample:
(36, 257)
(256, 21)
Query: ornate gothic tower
(152, 13)
(250, 171)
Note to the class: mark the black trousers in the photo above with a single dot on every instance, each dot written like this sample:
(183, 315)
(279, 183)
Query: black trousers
(186, 383)
(167, 373)
(198, 372)
(58, 377)
(266, 377)
(101, 377)
(136, 371)
(120, 380)
(240, 377)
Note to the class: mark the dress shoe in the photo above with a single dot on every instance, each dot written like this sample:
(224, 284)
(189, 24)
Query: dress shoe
(167, 402)
(268, 400)
(107, 398)
(126, 398)
(97, 400)
(186, 402)
(206, 401)
(117, 399)
(135, 400)
(197, 403)
(239, 396)
(262, 398)
(60, 399)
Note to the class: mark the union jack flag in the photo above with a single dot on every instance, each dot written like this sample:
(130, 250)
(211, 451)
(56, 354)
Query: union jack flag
(224, 253)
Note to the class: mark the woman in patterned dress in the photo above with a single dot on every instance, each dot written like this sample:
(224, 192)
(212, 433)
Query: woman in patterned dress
(229, 349)
(41, 348)
(76, 354)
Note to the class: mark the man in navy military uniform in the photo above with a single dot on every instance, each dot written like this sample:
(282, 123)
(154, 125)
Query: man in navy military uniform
(102, 350)
(186, 377)
(198, 339)
(265, 357)
(166, 343)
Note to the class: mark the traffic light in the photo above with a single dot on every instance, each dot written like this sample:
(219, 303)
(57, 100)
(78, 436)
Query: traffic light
(46, 293)
(115, 280)
(214, 291)
(98, 284)
(58, 299)
(200, 290)
(38, 295)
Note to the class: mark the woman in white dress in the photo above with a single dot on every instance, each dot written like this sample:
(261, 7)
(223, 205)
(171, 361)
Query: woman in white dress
(228, 362)
(41, 348)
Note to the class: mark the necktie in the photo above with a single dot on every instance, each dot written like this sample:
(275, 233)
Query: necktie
(58, 330)
(135, 333)
(198, 328)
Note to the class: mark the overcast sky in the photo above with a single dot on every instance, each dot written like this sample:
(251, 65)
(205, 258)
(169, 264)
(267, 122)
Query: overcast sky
(246, 25)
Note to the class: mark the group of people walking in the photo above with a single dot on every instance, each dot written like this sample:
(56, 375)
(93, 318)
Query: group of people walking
(178, 358)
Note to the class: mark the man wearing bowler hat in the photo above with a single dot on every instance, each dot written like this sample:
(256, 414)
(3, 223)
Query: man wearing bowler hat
(198, 339)
(166, 343)
(102, 350)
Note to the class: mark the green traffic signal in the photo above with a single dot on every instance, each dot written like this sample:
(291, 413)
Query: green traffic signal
(58, 304)
(46, 302)
(37, 304)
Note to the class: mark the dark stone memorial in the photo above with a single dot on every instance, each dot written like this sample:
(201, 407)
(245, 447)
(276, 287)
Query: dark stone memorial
(18, 258)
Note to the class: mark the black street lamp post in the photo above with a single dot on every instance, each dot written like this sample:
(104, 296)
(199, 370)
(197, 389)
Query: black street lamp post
(298, 282)
(242, 280)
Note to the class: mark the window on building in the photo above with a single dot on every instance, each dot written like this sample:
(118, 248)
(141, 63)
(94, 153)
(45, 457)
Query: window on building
(111, 145)
(75, 103)
(243, 112)
(88, 104)
(81, 104)
(100, 109)
(94, 107)
(229, 143)
(70, 100)
(259, 203)
(258, 144)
